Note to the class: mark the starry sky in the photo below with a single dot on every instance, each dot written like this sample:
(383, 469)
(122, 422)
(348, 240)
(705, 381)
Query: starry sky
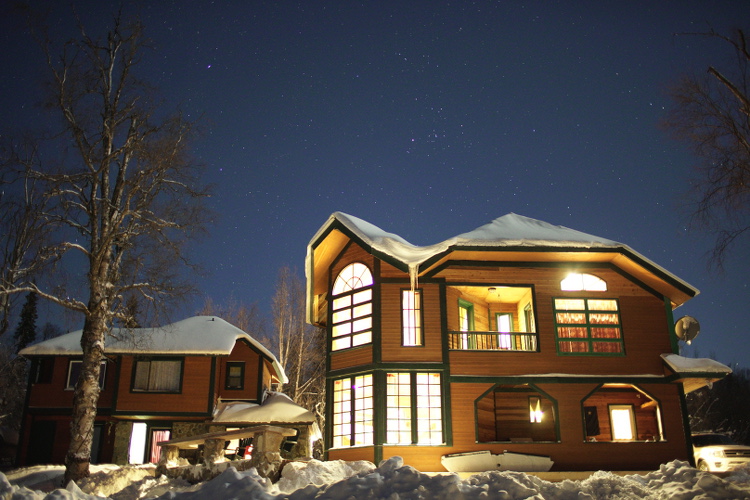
(427, 119)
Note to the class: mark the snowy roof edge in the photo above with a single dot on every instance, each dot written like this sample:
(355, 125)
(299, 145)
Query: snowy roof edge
(521, 231)
(196, 335)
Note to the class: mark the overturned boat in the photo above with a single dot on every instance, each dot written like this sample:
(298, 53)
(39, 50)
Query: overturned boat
(480, 461)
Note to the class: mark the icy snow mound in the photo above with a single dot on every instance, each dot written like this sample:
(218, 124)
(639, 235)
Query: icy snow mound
(392, 480)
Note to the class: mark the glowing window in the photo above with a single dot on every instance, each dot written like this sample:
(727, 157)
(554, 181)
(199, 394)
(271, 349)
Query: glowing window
(411, 317)
(577, 282)
(353, 276)
(588, 326)
(351, 307)
(623, 423)
(353, 411)
(414, 412)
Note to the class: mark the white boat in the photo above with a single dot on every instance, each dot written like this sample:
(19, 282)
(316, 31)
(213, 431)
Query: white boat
(480, 461)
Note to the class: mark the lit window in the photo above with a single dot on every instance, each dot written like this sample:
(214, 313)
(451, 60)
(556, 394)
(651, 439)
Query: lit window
(577, 282)
(504, 327)
(351, 315)
(353, 411)
(411, 317)
(588, 326)
(623, 423)
(413, 408)
(157, 376)
(74, 372)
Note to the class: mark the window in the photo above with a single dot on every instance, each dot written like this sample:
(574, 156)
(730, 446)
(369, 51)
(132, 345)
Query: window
(504, 327)
(516, 413)
(414, 412)
(622, 421)
(157, 376)
(576, 282)
(588, 326)
(41, 369)
(74, 371)
(352, 411)
(351, 308)
(411, 317)
(235, 375)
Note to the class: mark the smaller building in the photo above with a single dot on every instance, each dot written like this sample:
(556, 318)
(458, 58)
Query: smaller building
(156, 384)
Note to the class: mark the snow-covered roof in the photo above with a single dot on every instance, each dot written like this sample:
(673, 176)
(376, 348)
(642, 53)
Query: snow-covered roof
(509, 232)
(198, 335)
(701, 366)
(277, 408)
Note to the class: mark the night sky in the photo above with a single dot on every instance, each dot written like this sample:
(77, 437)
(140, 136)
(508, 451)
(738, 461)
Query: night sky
(427, 119)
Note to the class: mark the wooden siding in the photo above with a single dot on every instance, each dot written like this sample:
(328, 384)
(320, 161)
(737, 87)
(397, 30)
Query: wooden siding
(349, 358)
(252, 388)
(643, 317)
(390, 325)
(196, 377)
(352, 454)
(54, 394)
(572, 453)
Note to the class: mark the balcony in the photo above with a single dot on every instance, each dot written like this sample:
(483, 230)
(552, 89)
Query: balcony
(493, 341)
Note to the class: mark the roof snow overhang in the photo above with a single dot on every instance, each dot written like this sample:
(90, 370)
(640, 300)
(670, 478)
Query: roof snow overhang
(694, 373)
(511, 238)
(195, 336)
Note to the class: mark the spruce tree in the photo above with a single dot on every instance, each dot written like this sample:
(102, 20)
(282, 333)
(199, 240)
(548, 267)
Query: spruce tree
(26, 329)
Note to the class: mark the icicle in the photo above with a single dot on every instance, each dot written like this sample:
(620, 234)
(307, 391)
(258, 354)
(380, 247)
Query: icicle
(413, 280)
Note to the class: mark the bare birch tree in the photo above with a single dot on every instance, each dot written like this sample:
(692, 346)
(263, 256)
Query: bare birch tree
(301, 346)
(22, 225)
(122, 199)
(712, 114)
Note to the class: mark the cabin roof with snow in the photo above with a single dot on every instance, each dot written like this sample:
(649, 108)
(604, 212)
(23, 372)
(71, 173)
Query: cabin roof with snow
(197, 336)
(511, 237)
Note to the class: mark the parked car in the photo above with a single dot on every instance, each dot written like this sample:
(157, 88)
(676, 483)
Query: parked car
(715, 452)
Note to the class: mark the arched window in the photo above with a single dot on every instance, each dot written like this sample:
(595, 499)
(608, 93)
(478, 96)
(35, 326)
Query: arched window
(351, 307)
(578, 282)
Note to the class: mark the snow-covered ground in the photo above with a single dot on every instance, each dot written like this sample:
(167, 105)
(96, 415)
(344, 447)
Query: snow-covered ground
(363, 481)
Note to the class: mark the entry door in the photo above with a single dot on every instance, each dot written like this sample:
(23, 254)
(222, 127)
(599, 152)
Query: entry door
(41, 442)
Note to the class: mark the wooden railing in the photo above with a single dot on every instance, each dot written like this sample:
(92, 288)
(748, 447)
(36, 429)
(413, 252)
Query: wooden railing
(493, 341)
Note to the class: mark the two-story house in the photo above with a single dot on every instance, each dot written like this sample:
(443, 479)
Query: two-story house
(519, 336)
(156, 384)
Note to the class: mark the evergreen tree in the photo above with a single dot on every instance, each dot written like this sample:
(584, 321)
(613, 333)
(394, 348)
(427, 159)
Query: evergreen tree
(26, 330)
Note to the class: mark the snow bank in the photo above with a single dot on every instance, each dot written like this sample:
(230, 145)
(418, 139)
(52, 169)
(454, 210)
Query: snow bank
(393, 481)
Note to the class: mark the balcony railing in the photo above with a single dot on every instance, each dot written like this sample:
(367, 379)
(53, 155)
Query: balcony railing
(493, 341)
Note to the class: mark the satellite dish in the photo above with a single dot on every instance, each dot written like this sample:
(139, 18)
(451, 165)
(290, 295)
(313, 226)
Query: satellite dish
(687, 328)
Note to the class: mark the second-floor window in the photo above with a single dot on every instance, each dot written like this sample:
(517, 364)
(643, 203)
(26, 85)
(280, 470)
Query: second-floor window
(351, 307)
(74, 371)
(588, 326)
(158, 376)
(411, 317)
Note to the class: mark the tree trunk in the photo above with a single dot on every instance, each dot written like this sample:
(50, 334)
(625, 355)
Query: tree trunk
(85, 397)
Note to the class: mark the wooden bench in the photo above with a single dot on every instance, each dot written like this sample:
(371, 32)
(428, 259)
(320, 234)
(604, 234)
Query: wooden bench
(267, 439)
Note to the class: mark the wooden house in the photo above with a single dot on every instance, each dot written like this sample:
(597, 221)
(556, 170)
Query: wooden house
(156, 384)
(518, 336)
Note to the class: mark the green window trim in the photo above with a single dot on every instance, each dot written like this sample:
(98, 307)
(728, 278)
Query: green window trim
(586, 326)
